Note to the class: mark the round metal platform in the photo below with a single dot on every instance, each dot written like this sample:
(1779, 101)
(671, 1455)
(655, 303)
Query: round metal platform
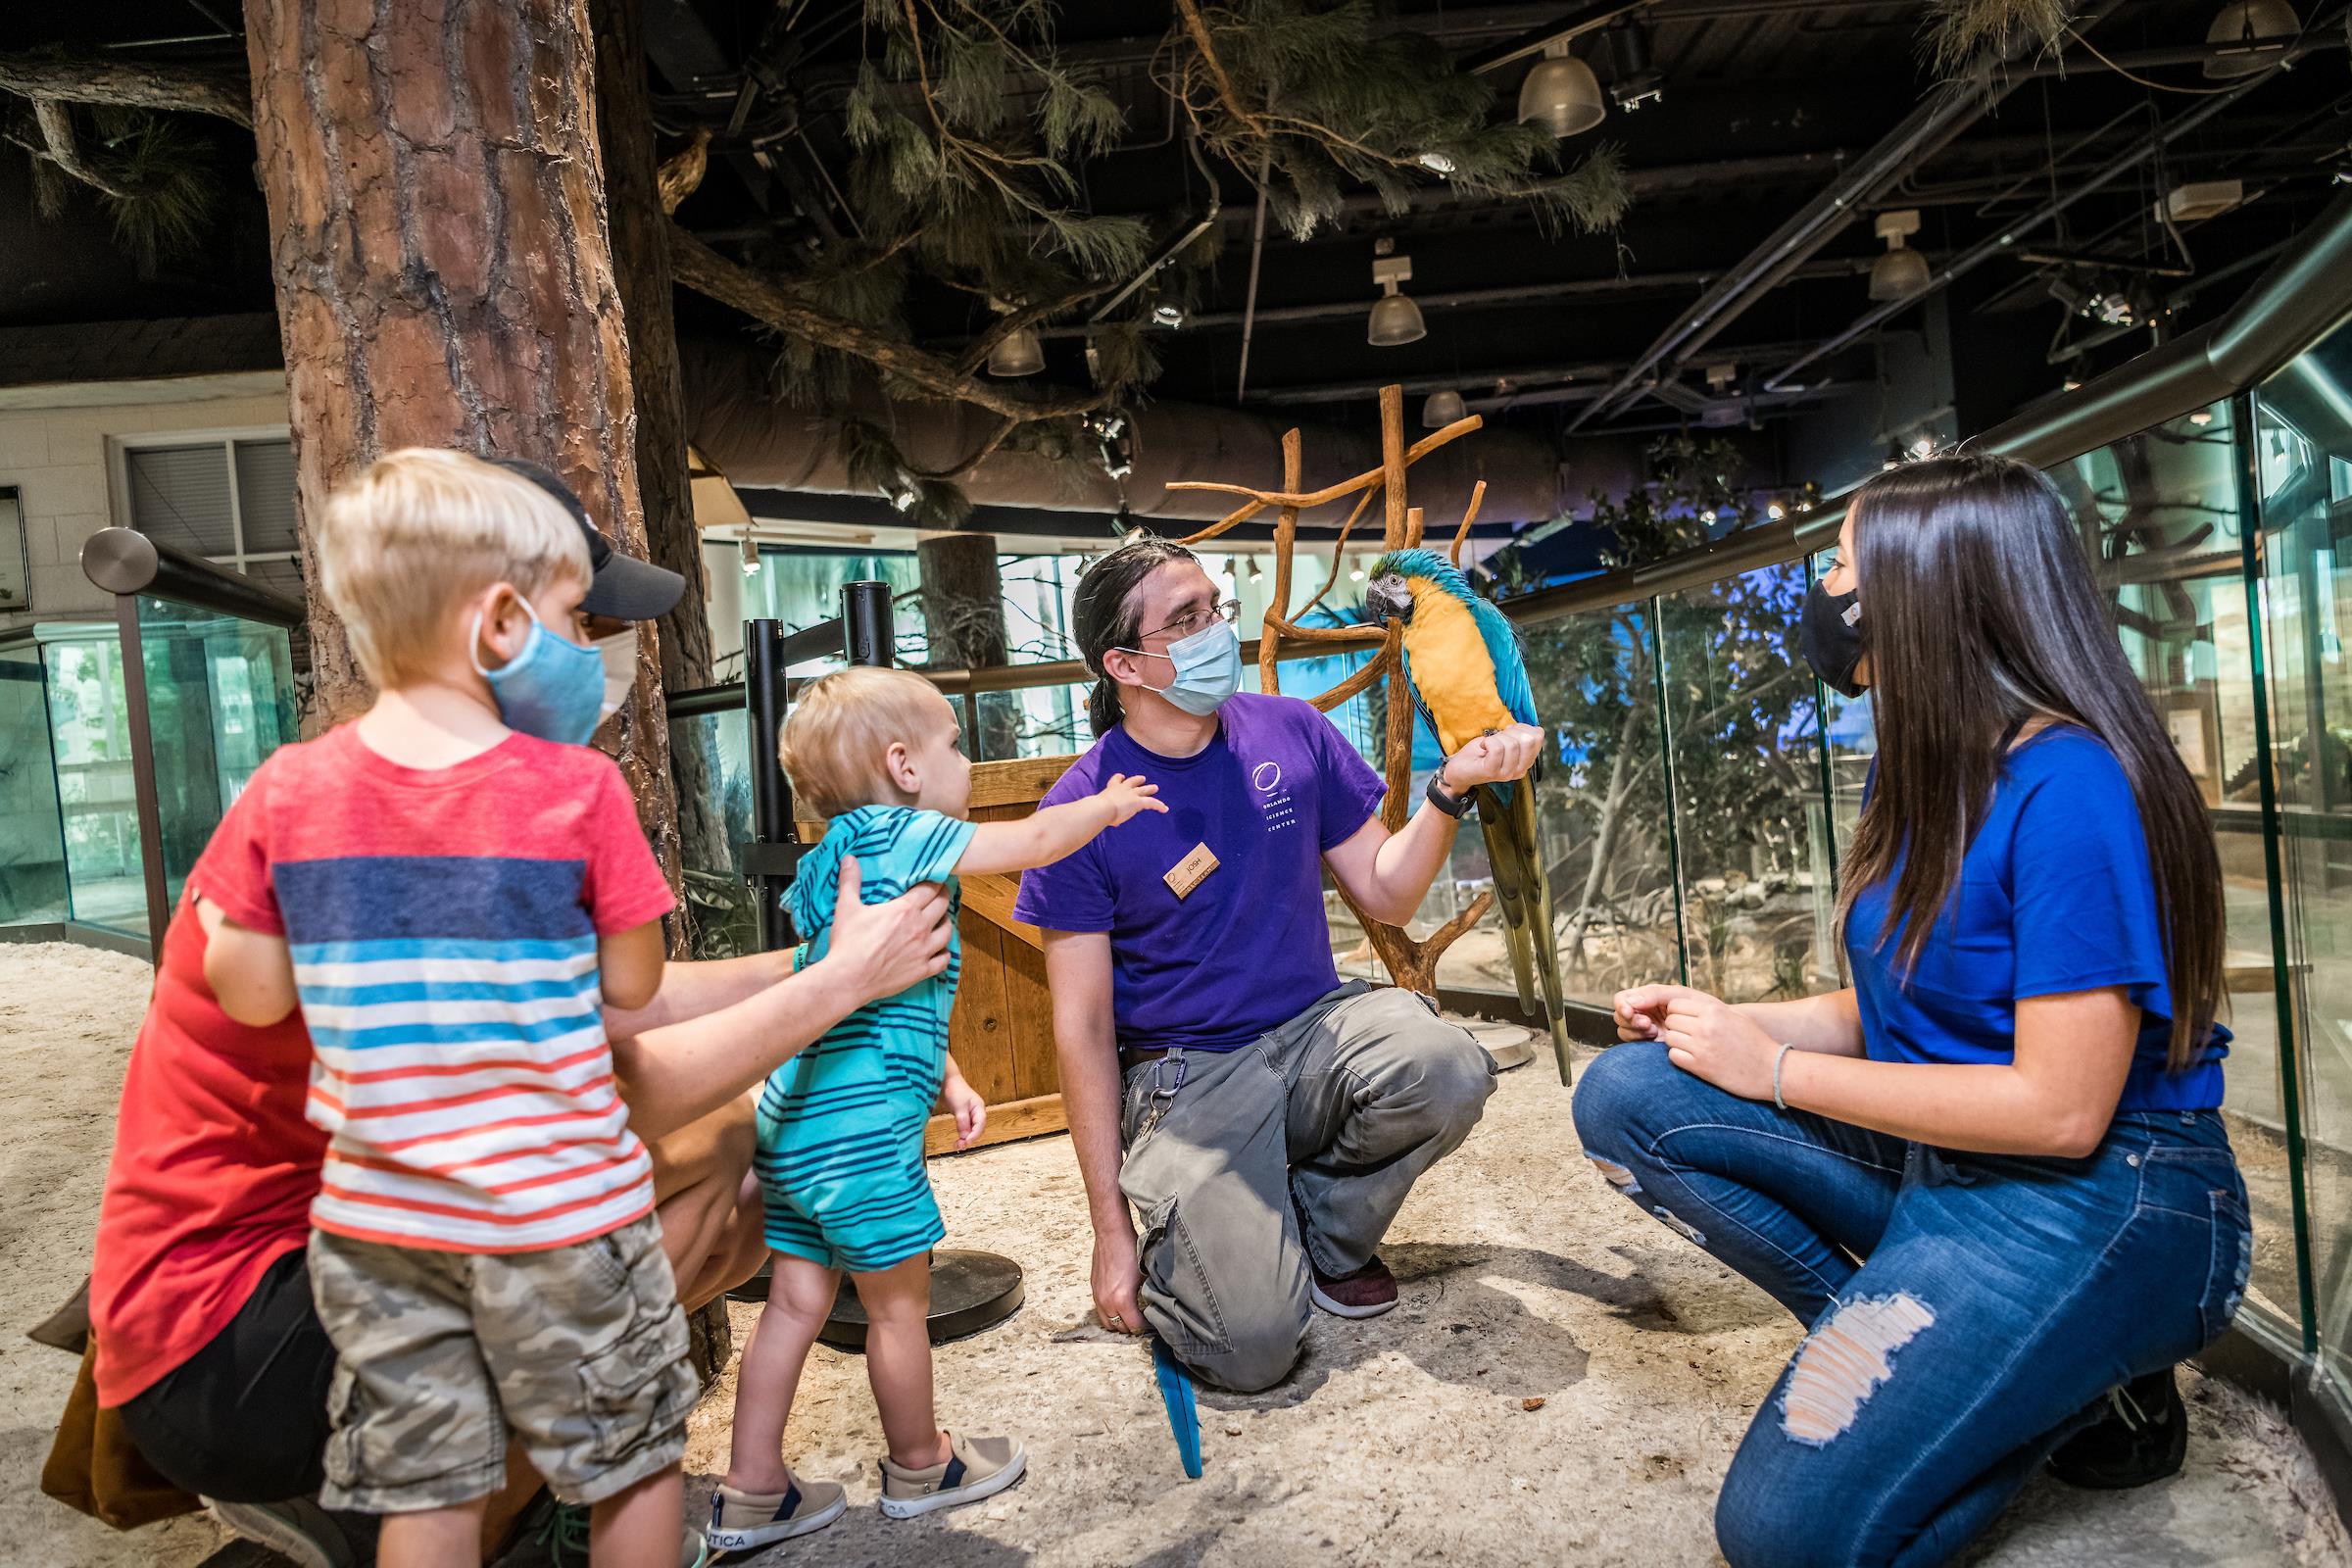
(969, 1292)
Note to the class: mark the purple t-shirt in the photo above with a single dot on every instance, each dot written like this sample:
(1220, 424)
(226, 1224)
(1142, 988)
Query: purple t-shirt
(1249, 948)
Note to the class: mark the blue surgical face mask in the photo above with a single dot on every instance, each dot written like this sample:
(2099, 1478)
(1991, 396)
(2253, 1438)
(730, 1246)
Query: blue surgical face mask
(1209, 670)
(554, 689)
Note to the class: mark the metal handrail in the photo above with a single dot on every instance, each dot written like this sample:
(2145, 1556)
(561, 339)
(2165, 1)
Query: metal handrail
(2292, 306)
(124, 560)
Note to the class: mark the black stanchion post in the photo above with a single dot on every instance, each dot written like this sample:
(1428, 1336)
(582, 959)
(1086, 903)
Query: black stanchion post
(769, 857)
(868, 631)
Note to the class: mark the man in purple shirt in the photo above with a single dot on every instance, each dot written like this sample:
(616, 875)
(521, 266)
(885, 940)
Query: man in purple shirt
(1263, 1119)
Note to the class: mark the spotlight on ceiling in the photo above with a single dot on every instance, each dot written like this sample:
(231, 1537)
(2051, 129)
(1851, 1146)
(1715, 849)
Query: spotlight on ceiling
(1357, 575)
(1636, 80)
(2238, 26)
(1019, 353)
(1167, 313)
(750, 556)
(1442, 409)
(1561, 93)
(1395, 319)
(1900, 273)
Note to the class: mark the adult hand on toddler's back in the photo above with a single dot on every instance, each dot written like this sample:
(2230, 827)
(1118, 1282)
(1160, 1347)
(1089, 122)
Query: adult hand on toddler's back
(887, 947)
(1127, 793)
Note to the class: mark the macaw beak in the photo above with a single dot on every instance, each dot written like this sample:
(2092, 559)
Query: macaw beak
(1390, 597)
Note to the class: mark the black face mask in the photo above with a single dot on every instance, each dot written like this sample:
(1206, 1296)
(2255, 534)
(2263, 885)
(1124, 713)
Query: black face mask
(1830, 635)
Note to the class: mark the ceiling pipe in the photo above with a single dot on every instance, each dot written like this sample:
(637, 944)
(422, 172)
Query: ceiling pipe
(1942, 116)
(734, 418)
(1993, 245)
(1478, 298)
(1468, 382)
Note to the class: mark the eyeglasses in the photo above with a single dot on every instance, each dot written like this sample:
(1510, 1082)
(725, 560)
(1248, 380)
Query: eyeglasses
(1195, 622)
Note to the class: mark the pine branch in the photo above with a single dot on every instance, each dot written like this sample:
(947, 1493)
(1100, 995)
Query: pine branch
(1027, 315)
(61, 148)
(764, 299)
(83, 77)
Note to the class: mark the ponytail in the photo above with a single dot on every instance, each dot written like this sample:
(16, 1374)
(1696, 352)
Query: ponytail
(1105, 616)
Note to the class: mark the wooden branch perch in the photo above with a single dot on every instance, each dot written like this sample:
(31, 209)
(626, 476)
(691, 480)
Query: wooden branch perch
(86, 76)
(1358, 681)
(1338, 546)
(1478, 494)
(1345, 487)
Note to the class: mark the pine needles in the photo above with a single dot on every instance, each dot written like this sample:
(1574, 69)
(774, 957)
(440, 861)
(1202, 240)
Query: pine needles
(1956, 32)
(1314, 95)
(152, 172)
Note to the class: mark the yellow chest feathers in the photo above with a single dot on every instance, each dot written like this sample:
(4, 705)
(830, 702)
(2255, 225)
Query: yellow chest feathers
(1450, 668)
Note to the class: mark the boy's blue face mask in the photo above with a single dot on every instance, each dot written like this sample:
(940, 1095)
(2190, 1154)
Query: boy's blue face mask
(1209, 670)
(554, 689)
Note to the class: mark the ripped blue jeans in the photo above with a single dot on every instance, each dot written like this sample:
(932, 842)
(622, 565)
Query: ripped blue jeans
(1967, 1312)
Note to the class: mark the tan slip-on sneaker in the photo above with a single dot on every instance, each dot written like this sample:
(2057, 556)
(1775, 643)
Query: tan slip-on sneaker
(976, 1468)
(743, 1520)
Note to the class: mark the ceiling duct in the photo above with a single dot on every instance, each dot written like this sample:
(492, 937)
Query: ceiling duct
(734, 418)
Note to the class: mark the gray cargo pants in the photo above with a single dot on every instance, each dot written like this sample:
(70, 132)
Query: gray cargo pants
(1243, 1164)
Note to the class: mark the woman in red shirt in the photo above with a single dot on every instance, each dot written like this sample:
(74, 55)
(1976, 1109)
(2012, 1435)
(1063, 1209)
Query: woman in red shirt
(200, 1301)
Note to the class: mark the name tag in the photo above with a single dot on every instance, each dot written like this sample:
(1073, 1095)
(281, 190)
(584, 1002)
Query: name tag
(1191, 871)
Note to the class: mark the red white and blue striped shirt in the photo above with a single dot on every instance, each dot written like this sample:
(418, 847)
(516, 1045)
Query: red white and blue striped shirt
(443, 925)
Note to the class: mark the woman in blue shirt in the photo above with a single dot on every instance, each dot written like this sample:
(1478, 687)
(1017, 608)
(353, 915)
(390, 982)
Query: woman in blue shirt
(1990, 1178)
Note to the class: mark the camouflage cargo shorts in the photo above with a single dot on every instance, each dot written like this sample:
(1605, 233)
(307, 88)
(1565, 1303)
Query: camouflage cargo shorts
(579, 1351)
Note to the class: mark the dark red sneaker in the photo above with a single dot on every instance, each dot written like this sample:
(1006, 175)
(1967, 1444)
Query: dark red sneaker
(1367, 1292)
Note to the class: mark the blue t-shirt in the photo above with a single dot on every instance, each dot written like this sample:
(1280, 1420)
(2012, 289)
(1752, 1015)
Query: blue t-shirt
(1249, 948)
(2055, 895)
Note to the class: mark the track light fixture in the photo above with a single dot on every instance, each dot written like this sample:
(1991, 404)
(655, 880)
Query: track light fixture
(1561, 93)
(2238, 26)
(1395, 318)
(1900, 273)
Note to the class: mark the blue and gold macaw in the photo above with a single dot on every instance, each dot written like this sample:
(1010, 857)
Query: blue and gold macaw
(1466, 675)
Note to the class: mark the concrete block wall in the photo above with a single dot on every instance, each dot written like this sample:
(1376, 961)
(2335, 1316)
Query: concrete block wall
(58, 455)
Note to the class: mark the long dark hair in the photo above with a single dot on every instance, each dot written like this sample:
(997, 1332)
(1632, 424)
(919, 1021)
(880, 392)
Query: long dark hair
(1979, 613)
(1107, 617)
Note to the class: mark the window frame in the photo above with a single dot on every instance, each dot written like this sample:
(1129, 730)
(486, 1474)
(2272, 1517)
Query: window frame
(22, 600)
(226, 438)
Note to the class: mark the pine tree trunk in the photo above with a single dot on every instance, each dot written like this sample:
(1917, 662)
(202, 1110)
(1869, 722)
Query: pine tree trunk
(641, 268)
(445, 278)
(963, 620)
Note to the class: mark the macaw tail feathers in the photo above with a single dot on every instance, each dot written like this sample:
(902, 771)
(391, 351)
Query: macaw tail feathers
(1523, 894)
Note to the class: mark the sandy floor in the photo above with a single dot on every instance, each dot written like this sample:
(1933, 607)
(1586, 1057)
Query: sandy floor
(1406, 1439)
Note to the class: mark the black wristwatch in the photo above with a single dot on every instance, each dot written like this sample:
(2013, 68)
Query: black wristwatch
(1457, 807)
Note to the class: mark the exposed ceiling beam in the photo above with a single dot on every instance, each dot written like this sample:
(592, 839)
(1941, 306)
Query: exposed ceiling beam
(1941, 116)
(2010, 233)
(1623, 284)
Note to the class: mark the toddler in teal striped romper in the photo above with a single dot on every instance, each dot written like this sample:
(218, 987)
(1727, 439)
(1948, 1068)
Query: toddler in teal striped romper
(839, 1164)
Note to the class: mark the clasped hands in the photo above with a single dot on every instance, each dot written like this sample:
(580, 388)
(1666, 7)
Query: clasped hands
(1705, 1036)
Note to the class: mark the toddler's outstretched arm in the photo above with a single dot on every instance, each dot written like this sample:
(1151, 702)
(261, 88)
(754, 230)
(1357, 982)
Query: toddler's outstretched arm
(1045, 836)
